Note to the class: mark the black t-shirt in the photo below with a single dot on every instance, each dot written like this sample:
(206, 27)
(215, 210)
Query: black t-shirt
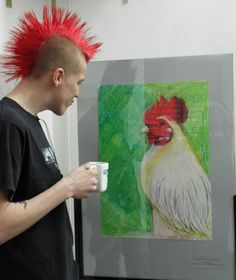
(28, 167)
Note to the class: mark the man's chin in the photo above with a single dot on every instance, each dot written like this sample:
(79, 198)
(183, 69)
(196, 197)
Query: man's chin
(60, 112)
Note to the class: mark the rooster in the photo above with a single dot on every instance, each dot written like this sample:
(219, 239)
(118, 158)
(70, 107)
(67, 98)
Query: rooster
(172, 178)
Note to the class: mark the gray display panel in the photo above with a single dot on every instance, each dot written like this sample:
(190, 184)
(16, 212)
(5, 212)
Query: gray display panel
(147, 258)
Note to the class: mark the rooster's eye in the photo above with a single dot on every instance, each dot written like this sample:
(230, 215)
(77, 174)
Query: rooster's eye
(151, 125)
(162, 123)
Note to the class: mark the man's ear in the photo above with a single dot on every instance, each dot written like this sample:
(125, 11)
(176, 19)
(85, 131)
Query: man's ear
(57, 76)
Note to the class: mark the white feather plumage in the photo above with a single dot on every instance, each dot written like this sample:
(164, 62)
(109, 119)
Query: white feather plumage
(178, 188)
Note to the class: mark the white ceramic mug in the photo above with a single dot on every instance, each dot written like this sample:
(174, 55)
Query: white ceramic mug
(102, 177)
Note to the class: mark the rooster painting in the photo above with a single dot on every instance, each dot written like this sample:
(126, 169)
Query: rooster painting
(172, 177)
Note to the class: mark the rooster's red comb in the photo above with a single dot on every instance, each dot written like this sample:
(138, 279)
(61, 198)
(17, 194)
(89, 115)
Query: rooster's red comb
(26, 40)
(174, 109)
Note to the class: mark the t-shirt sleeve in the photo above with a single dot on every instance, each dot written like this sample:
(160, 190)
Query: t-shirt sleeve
(11, 151)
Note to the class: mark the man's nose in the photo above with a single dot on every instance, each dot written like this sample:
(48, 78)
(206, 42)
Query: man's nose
(77, 94)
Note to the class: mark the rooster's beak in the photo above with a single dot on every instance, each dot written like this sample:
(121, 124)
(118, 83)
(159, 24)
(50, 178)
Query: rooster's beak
(145, 129)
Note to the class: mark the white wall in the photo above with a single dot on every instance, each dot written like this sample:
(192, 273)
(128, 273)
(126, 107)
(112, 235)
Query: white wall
(9, 16)
(160, 28)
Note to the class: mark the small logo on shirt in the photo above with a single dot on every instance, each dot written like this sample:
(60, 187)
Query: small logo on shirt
(49, 156)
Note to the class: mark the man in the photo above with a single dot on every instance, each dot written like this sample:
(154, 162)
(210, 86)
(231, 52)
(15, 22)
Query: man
(51, 59)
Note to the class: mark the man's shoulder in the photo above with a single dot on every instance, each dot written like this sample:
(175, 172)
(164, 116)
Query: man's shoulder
(12, 113)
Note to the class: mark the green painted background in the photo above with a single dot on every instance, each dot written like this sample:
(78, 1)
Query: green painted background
(124, 209)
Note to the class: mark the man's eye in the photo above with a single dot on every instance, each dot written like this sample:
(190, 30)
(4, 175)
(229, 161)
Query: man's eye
(80, 82)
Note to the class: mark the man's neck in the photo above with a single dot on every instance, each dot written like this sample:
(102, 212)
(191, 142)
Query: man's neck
(29, 95)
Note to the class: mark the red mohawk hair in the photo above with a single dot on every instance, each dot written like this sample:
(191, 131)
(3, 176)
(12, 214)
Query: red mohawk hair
(23, 47)
(174, 110)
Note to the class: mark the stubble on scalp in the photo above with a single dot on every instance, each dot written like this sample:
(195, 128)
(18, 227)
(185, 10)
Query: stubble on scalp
(58, 52)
